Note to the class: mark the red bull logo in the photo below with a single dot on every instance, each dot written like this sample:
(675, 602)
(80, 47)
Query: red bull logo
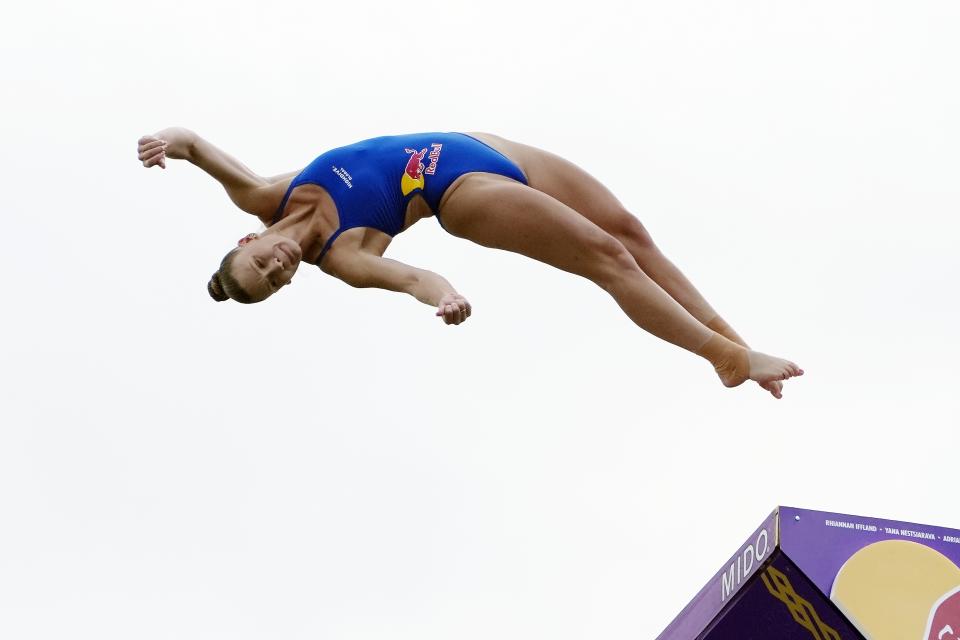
(434, 158)
(413, 179)
(413, 174)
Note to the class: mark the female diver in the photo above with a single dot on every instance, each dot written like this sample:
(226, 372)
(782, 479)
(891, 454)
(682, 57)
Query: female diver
(341, 212)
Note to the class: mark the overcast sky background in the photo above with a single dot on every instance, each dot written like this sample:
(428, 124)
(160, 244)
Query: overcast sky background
(337, 463)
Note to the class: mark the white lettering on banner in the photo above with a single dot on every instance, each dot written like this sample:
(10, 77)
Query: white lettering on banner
(743, 565)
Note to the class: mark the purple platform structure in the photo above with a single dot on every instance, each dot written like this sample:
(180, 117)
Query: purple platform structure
(827, 576)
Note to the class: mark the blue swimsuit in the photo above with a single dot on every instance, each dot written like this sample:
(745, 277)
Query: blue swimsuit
(372, 181)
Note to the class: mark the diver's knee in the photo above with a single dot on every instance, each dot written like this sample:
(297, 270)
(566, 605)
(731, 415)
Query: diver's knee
(633, 233)
(613, 260)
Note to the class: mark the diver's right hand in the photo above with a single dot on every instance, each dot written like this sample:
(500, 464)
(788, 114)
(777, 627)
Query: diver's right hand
(454, 308)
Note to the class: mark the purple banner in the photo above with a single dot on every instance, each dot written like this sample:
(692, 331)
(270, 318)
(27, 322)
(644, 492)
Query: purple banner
(894, 580)
(725, 584)
(820, 542)
(781, 603)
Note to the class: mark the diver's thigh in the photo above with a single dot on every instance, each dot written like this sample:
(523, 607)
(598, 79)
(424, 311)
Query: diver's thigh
(497, 212)
(563, 180)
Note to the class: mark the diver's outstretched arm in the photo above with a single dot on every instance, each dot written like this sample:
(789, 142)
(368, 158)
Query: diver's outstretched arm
(249, 191)
(361, 269)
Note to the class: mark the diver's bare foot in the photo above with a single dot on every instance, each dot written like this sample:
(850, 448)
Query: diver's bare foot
(775, 387)
(768, 370)
(735, 365)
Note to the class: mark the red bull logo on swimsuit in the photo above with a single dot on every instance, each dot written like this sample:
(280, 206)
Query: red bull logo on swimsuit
(413, 175)
(434, 158)
(413, 179)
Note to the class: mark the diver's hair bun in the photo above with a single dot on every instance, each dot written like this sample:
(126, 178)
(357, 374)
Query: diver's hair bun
(215, 288)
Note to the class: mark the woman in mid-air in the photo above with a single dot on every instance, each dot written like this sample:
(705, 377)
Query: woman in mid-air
(341, 212)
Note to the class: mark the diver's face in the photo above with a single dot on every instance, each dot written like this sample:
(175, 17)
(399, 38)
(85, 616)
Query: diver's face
(264, 264)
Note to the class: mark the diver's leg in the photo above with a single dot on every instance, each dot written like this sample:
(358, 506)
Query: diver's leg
(498, 212)
(571, 185)
(574, 187)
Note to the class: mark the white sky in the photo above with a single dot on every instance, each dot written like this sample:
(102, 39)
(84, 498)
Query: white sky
(338, 464)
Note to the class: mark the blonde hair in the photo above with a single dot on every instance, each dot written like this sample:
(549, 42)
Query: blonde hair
(223, 286)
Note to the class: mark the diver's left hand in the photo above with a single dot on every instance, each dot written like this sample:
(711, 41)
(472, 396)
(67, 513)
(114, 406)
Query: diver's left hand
(453, 308)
